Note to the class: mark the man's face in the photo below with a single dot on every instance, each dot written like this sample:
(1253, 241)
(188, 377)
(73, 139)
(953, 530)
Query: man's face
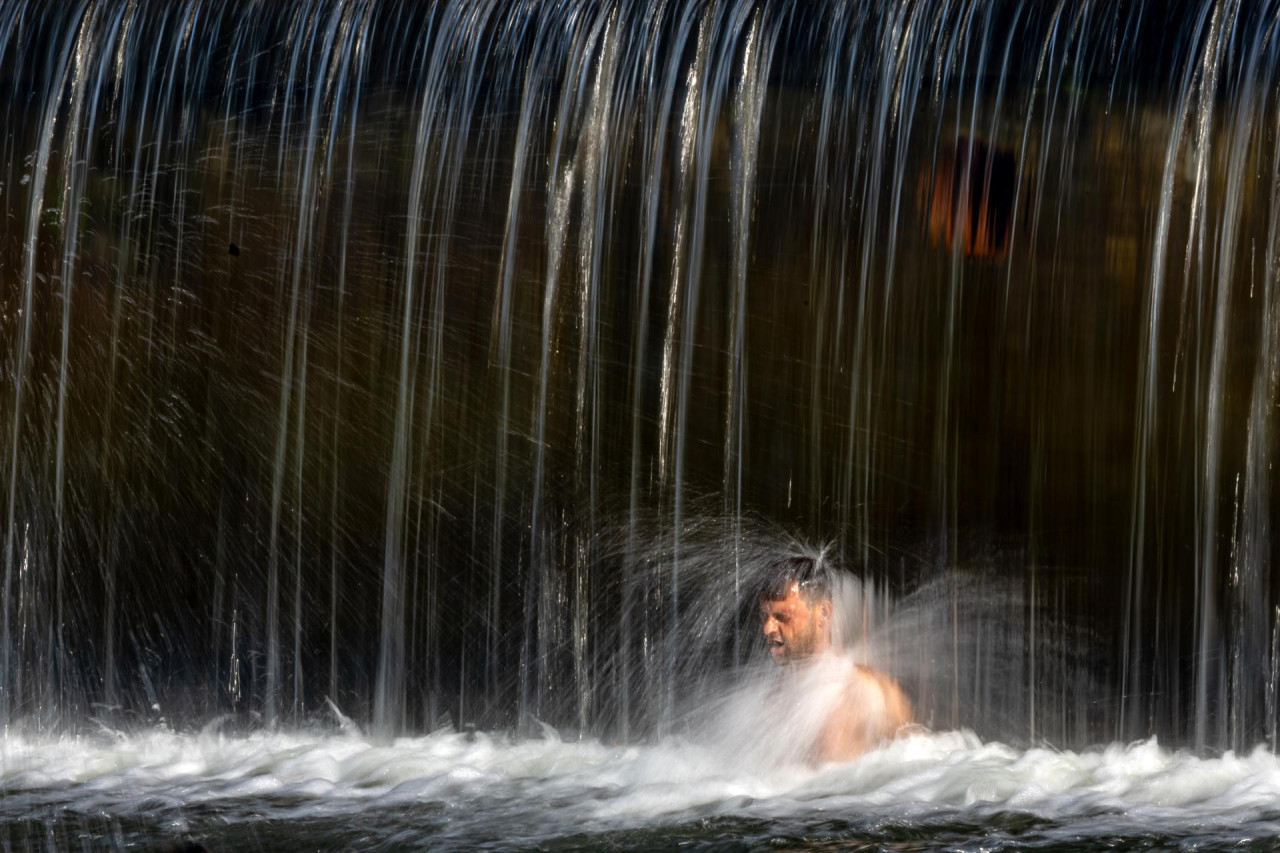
(793, 627)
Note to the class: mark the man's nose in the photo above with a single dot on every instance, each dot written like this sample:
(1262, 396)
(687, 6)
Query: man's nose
(770, 624)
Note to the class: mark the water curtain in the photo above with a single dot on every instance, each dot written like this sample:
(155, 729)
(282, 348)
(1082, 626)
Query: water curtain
(451, 361)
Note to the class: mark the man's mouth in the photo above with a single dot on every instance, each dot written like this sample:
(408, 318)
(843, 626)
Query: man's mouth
(775, 646)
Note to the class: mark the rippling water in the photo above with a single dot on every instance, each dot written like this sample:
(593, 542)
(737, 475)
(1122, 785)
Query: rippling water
(301, 791)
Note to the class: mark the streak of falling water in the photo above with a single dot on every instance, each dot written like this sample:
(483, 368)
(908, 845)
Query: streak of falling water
(593, 159)
(446, 180)
(1251, 546)
(88, 77)
(1206, 616)
(358, 47)
(657, 110)
(530, 98)
(701, 106)
(1255, 545)
(824, 268)
(748, 107)
(421, 628)
(293, 389)
(1134, 669)
(563, 182)
(1272, 705)
(62, 71)
(946, 497)
(888, 135)
(389, 688)
(666, 411)
(502, 345)
(124, 72)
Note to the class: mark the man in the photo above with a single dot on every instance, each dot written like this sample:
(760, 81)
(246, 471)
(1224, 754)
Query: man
(861, 707)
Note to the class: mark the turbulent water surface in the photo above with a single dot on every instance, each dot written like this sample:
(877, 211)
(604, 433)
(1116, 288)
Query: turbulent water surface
(305, 791)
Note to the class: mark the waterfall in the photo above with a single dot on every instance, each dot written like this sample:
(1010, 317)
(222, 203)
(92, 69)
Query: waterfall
(463, 362)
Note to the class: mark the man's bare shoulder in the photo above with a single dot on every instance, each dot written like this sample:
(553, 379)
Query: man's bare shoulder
(874, 709)
(880, 694)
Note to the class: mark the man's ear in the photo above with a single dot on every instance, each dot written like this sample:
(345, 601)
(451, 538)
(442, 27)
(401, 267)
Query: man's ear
(824, 611)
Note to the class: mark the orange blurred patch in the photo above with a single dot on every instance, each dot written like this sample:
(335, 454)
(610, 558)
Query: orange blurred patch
(969, 195)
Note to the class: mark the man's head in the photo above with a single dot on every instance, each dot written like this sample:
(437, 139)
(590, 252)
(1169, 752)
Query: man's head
(796, 608)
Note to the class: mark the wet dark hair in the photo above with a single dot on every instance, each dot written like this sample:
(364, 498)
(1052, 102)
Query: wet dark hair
(812, 574)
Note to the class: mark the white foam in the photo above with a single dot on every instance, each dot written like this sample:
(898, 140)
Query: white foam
(590, 785)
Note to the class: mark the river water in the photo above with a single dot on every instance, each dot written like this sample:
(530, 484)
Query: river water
(450, 791)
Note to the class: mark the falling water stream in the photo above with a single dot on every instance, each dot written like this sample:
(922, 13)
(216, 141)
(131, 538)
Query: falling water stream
(402, 399)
